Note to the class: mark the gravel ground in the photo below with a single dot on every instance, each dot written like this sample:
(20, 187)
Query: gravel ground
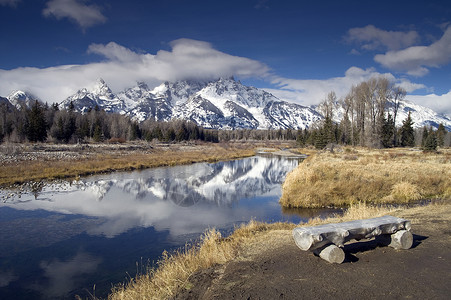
(273, 267)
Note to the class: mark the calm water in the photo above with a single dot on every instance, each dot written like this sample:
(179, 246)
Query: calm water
(79, 238)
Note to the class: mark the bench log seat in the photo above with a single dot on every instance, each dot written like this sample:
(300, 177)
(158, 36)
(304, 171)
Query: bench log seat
(327, 240)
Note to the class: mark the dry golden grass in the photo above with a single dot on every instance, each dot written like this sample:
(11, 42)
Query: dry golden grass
(373, 176)
(251, 240)
(24, 171)
(174, 270)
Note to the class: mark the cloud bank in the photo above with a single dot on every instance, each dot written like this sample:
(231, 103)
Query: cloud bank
(12, 3)
(76, 11)
(416, 60)
(372, 38)
(121, 68)
(438, 103)
(311, 91)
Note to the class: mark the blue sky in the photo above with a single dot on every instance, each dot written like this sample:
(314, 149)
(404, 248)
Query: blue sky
(298, 50)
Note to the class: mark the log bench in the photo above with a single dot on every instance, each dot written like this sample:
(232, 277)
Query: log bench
(327, 240)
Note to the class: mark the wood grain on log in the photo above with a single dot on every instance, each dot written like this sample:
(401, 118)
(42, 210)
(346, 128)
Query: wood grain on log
(402, 239)
(310, 238)
(331, 253)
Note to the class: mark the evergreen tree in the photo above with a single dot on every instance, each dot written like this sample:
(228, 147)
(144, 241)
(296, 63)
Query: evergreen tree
(170, 135)
(135, 132)
(425, 136)
(431, 142)
(97, 136)
(320, 140)
(2, 135)
(83, 128)
(388, 131)
(328, 131)
(441, 133)
(36, 126)
(345, 131)
(407, 132)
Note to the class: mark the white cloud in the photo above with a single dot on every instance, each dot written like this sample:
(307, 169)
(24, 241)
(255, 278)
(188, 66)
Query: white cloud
(313, 91)
(417, 59)
(75, 10)
(114, 52)
(12, 3)
(189, 59)
(438, 103)
(262, 4)
(63, 275)
(6, 278)
(372, 38)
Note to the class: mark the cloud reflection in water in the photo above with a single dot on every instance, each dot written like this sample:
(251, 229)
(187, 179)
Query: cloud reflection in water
(183, 199)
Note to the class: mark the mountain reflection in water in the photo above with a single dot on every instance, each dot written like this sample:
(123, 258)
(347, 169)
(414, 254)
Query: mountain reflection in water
(183, 199)
(60, 240)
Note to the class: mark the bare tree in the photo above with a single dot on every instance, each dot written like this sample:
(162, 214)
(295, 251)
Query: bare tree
(326, 107)
(398, 95)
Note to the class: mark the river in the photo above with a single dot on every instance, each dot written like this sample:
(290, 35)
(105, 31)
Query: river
(80, 238)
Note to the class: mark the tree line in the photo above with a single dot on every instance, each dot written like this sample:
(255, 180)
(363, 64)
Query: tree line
(369, 115)
(368, 118)
(43, 123)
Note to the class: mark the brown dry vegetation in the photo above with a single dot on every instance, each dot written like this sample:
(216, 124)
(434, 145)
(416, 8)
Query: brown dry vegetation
(174, 270)
(373, 176)
(29, 165)
(391, 175)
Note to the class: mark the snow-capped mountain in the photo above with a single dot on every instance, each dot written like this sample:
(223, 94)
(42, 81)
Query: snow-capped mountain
(4, 100)
(21, 99)
(228, 104)
(221, 104)
(421, 116)
(100, 94)
(142, 104)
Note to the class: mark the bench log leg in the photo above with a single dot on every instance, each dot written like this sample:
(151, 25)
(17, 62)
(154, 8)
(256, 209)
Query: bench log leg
(331, 253)
(402, 239)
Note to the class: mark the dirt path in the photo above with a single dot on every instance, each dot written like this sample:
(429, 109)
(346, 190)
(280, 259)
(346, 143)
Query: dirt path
(272, 267)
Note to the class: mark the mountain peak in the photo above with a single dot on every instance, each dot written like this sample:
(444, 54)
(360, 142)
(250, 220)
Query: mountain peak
(227, 78)
(19, 95)
(224, 103)
(101, 88)
(20, 98)
(142, 85)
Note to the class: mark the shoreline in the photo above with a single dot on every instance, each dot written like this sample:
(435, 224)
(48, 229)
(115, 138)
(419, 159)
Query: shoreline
(26, 163)
(373, 176)
(261, 261)
(240, 260)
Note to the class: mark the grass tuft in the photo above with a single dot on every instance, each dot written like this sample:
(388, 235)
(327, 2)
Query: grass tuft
(174, 270)
(93, 162)
(372, 176)
(404, 192)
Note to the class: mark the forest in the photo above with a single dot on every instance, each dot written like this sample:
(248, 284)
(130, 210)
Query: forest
(369, 114)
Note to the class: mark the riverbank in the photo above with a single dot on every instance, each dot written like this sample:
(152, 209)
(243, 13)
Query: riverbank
(24, 163)
(331, 179)
(261, 261)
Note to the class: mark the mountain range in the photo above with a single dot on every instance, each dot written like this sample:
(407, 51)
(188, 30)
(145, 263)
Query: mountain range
(221, 104)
